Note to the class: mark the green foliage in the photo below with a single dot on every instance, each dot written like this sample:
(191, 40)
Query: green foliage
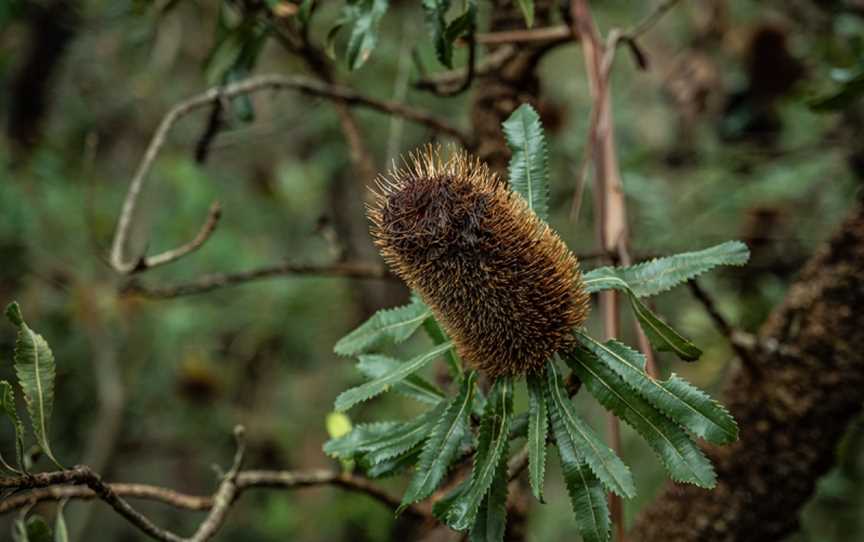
(662, 274)
(351, 397)
(607, 466)
(529, 173)
(491, 522)
(587, 496)
(7, 403)
(34, 529)
(527, 9)
(678, 399)
(61, 533)
(394, 325)
(416, 387)
(34, 366)
(849, 91)
(443, 444)
(444, 33)
(681, 457)
(491, 448)
(362, 18)
(538, 427)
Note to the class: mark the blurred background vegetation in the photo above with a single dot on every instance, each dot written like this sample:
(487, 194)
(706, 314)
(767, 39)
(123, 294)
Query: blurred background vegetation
(727, 135)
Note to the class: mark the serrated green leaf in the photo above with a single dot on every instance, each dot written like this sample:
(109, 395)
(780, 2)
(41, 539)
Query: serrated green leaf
(529, 175)
(527, 9)
(433, 329)
(34, 366)
(587, 496)
(675, 397)
(414, 386)
(684, 461)
(352, 444)
(662, 274)
(537, 430)
(444, 33)
(491, 522)
(395, 325)
(363, 18)
(519, 427)
(661, 335)
(442, 445)
(7, 403)
(351, 397)
(492, 445)
(393, 466)
(607, 466)
(402, 438)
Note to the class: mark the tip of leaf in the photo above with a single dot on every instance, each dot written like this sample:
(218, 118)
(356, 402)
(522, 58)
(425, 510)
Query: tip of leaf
(13, 312)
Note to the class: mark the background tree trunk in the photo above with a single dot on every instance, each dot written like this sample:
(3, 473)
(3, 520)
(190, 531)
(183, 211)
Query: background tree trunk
(792, 407)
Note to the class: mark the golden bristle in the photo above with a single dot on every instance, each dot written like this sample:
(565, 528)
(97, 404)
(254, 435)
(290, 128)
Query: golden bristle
(500, 281)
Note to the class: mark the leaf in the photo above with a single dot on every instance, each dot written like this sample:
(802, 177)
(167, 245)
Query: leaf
(395, 325)
(61, 533)
(527, 9)
(34, 365)
(438, 336)
(402, 438)
(442, 445)
(529, 175)
(444, 33)
(7, 402)
(661, 334)
(537, 430)
(394, 466)
(362, 17)
(681, 457)
(587, 496)
(355, 442)
(677, 398)
(662, 274)
(414, 386)
(607, 466)
(370, 389)
(491, 522)
(492, 445)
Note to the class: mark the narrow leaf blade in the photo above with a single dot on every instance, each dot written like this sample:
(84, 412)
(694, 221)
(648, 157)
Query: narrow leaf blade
(684, 461)
(491, 522)
(492, 445)
(678, 399)
(351, 397)
(662, 274)
(395, 325)
(414, 386)
(537, 430)
(34, 366)
(442, 445)
(7, 402)
(587, 496)
(602, 461)
(529, 174)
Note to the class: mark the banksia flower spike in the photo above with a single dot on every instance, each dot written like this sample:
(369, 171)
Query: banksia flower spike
(499, 280)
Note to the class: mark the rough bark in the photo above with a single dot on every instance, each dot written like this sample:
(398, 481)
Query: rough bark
(793, 407)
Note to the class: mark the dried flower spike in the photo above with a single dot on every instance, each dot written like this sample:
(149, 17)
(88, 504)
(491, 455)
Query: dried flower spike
(500, 281)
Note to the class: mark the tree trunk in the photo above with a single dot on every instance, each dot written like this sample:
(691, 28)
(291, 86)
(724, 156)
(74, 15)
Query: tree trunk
(792, 406)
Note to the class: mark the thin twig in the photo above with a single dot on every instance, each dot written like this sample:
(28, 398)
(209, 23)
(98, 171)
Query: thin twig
(549, 33)
(441, 83)
(725, 328)
(254, 84)
(207, 229)
(225, 495)
(207, 283)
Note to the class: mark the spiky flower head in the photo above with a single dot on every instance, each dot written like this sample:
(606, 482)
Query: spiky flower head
(498, 279)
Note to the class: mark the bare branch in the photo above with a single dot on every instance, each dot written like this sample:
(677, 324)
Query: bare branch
(207, 229)
(214, 281)
(549, 33)
(251, 85)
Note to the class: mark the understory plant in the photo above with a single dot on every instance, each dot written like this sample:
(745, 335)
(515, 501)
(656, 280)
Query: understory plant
(504, 301)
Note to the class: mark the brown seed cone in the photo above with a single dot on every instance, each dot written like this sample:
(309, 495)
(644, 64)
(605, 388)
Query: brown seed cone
(499, 280)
